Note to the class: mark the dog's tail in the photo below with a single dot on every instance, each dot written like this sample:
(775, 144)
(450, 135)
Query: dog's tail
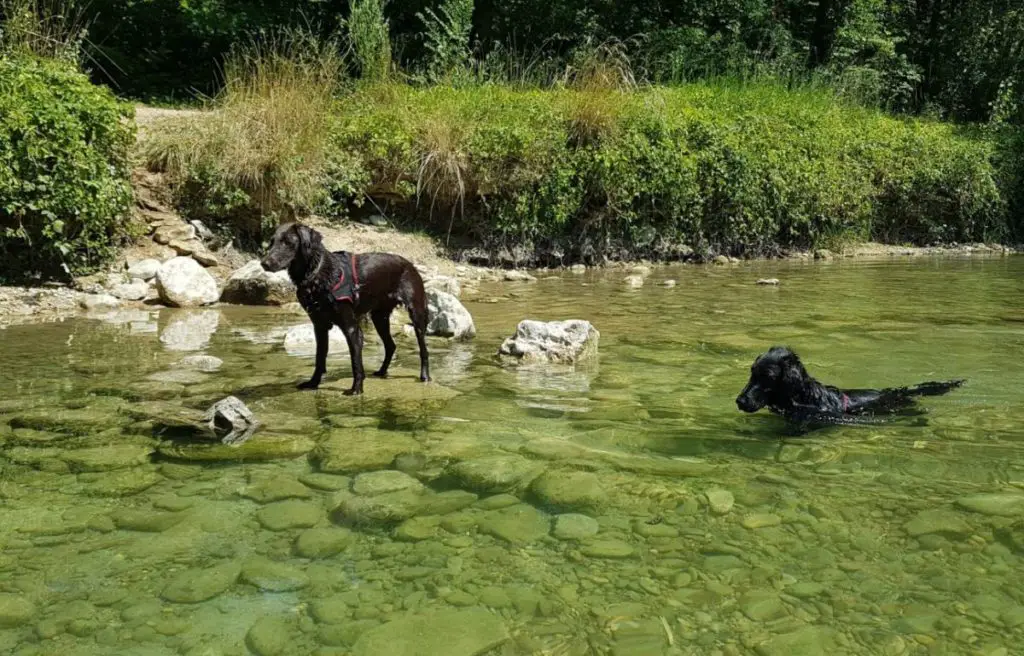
(931, 388)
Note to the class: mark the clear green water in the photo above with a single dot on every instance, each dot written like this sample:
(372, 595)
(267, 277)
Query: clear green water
(899, 539)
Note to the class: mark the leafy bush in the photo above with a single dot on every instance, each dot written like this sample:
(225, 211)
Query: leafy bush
(658, 172)
(65, 191)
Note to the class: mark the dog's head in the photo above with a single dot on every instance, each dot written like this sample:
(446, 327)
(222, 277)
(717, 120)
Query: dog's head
(292, 242)
(774, 377)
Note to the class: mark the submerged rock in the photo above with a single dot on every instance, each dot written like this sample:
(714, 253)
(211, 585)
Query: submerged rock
(355, 450)
(998, 505)
(231, 420)
(204, 363)
(284, 515)
(252, 285)
(190, 331)
(15, 610)
(521, 524)
(469, 632)
(269, 446)
(273, 576)
(572, 526)
(300, 340)
(388, 508)
(720, 501)
(570, 490)
(107, 458)
(494, 474)
(322, 542)
(553, 341)
(278, 488)
(447, 317)
(942, 522)
(381, 482)
(269, 636)
(183, 282)
(195, 585)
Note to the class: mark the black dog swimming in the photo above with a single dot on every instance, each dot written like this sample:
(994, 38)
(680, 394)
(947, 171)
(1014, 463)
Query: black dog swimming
(336, 289)
(779, 382)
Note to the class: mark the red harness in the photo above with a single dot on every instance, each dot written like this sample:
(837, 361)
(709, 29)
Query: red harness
(350, 295)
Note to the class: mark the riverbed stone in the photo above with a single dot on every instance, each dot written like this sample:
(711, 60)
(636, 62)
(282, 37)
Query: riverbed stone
(204, 363)
(145, 521)
(272, 576)
(278, 488)
(131, 291)
(326, 482)
(183, 282)
(391, 507)
(608, 549)
(284, 515)
(720, 501)
(762, 605)
(331, 610)
(120, 483)
(806, 641)
(570, 490)
(565, 342)
(573, 526)
(106, 458)
(996, 505)
(300, 340)
(755, 521)
(497, 473)
(416, 529)
(263, 447)
(371, 484)
(323, 542)
(269, 636)
(15, 610)
(520, 524)
(144, 269)
(455, 632)
(196, 585)
(190, 330)
(946, 523)
(356, 451)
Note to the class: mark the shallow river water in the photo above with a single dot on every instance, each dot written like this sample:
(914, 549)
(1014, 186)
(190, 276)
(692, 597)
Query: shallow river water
(623, 507)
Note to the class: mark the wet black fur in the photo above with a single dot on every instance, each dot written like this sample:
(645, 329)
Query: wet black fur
(385, 281)
(779, 382)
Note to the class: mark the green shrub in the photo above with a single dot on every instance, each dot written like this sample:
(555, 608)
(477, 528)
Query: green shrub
(65, 190)
(657, 172)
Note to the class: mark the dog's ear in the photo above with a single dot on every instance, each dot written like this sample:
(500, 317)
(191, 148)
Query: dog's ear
(793, 372)
(308, 239)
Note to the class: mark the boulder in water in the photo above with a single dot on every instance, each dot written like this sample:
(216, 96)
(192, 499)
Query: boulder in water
(231, 420)
(447, 317)
(552, 341)
(183, 282)
(252, 285)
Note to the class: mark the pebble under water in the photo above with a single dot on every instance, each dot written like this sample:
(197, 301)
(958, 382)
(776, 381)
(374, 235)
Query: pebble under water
(623, 507)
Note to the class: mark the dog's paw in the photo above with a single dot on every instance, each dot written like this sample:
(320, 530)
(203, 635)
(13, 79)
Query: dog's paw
(380, 374)
(309, 385)
(352, 392)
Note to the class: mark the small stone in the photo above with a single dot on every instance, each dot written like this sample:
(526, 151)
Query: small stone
(372, 484)
(669, 283)
(322, 542)
(204, 363)
(99, 302)
(461, 599)
(634, 281)
(332, 610)
(15, 610)
(144, 269)
(284, 515)
(499, 473)
(720, 501)
(195, 585)
(273, 576)
(761, 520)
(572, 526)
(327, 482)
(518, 276)
(497, 502)
(415, 529)
(608, 549)
(807, 641)
(805, 590)
(773, 282)
(269, 636)
(131, 291)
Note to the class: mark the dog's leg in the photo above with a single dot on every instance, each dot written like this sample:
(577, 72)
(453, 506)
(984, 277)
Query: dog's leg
(382, 322)
(320, 331)
(419, 323)
(354, 337)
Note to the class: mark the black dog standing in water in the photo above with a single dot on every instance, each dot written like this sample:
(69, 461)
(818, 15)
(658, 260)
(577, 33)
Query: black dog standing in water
(779, 382)
(336, 289)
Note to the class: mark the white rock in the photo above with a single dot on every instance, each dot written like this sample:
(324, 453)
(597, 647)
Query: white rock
(300, 340)
(190, 331)
(518, 276)
(447, 317)
(634, 280)
(183, 282)
(669, 283)
(552, 341)
(444, 284)
(99, 302)
(768, 281)
(144, 269)
(204, 363)
(131, 291)
(251, 285)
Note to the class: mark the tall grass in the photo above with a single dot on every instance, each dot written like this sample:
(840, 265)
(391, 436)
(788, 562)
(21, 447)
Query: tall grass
(49, 29)
(263, 153)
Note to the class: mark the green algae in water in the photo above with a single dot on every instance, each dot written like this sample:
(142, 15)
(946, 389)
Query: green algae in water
(625, 507)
